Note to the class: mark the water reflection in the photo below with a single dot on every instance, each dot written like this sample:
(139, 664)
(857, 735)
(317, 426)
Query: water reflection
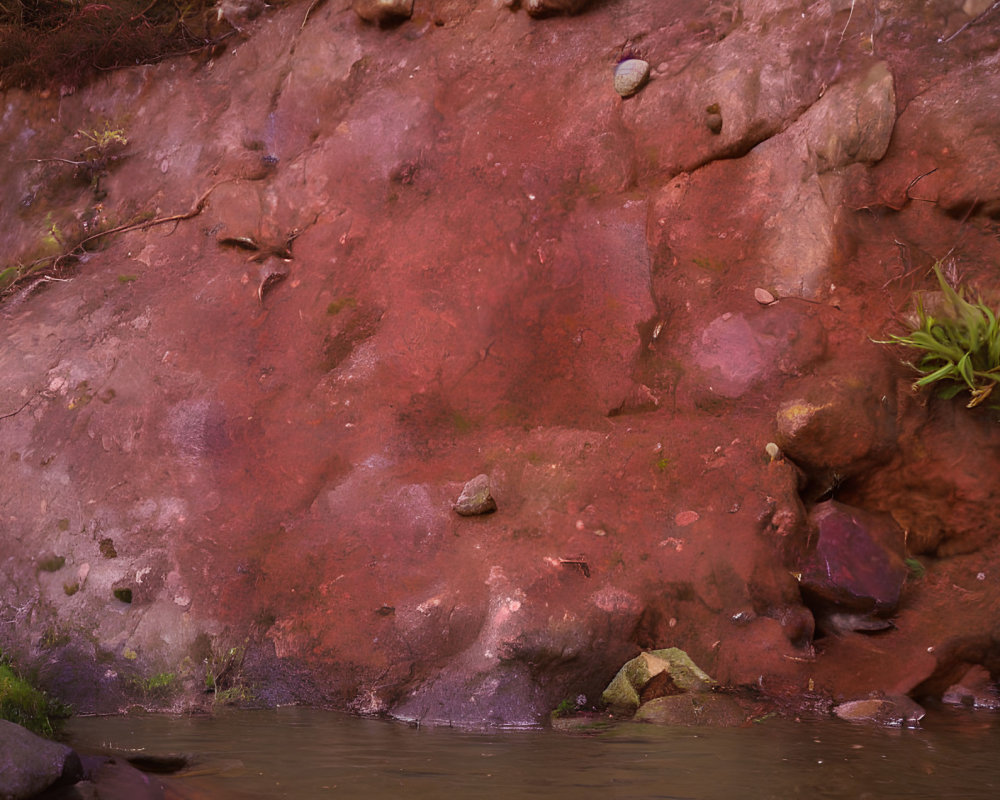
(302, 753)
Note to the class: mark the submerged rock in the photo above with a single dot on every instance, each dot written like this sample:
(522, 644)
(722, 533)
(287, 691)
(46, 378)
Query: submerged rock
(894, 711)
(976, 689)
(694, 708)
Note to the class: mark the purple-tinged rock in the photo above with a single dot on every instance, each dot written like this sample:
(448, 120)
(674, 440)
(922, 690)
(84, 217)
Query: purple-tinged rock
(856, 567)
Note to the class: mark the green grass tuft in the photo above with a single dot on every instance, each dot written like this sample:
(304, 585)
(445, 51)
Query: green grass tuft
(960, 344)
(22, 703)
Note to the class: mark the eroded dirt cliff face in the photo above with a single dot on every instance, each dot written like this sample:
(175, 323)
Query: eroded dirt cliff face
(401, 256)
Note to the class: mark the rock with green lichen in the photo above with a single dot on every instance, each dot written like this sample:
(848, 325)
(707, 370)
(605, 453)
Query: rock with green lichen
(623, 692)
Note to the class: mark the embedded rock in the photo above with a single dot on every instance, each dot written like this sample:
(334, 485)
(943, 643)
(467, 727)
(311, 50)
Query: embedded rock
(853, 123)
(856, 565)
(624, 691)
(476, 498)
(838, 426)
(630, 76)
(382, 11)
(736, 351)
(543, 8)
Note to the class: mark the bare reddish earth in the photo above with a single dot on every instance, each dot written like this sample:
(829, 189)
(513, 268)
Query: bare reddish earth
(497, 266)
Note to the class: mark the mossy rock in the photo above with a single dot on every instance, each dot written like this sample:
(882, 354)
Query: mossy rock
(622, 694)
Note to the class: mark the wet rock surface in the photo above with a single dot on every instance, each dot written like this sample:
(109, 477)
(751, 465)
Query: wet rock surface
(30, 764)
(692, 710)
(398, 254)
(895, 711)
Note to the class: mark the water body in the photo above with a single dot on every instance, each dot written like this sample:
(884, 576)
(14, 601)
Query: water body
(304, 753)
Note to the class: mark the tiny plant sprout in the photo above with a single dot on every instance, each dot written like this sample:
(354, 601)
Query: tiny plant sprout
(772, 450)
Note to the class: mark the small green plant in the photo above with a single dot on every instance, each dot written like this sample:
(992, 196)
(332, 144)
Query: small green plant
(158, 687)
(960, 341)
(917, 570)
(22, 703)
(224, 676)
(104, 142)
(53, 637)
(97, 158)
(51, 563)
(565, 708)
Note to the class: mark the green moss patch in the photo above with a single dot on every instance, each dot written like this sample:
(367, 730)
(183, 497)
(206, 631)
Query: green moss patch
(22, 703)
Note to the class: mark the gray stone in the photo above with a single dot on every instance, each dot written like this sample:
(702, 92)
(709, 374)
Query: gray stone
(30, 764)
(476, 498)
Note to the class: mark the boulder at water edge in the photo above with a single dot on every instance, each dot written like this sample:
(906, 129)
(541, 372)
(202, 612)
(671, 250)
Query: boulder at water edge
(30, 764)
(623, 693)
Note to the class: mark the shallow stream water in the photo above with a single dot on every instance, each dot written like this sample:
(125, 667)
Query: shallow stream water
(305, 753)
